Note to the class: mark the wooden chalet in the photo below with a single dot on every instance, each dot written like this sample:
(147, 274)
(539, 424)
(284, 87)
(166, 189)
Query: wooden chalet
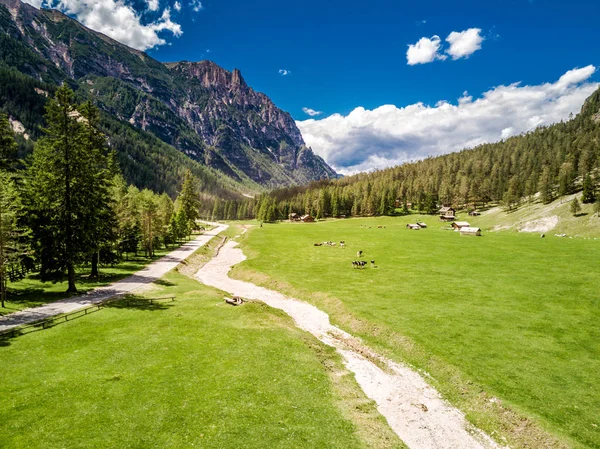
(399, 203)
(474, 213)
(294, 216)
(413, 226)
(307, 218)
(447, 213)
(467, 230)
(458, 225)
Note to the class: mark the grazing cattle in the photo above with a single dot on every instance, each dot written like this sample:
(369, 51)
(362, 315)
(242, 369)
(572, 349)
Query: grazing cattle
(359, 254)
(359, 264)
(342, 244)
(318, 244)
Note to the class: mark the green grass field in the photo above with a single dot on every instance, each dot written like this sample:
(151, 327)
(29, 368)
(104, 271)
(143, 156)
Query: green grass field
(505, 315)
(183, 374)
(194, 373)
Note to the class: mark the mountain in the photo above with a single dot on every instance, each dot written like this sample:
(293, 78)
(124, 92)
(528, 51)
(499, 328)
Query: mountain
(206, 112)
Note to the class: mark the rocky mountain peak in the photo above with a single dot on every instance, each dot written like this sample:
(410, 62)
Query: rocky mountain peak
(210, 74)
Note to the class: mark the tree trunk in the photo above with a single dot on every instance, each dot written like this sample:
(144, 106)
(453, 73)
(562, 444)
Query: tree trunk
(3, 294)
(71, 277)
(95, 258)
(68, 225)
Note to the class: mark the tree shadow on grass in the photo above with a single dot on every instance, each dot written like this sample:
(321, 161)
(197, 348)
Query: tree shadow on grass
(132, 302)
(164, 283)
(138, 303)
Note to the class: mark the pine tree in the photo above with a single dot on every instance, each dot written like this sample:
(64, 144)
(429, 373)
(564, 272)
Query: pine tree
(575, 207)
(102, 227)
(589, 192)
(8, 146)
(150, 223)
(190, 198)
(67, 188)
(13, 238)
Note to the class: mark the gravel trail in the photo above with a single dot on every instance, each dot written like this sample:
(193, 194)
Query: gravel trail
(413, 409)
(136, 282)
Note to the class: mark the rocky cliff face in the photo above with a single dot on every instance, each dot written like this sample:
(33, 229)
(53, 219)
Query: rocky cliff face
(203, 110)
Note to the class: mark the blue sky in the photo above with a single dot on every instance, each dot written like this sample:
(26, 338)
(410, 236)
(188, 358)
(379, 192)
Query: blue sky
(346, 63)
(347, 54)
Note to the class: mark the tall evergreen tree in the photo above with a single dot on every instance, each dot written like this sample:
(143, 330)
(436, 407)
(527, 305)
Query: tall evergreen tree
(190, 198)
(589, 192)
(13, 238)
(102, 226)
(8, 146)
(67, 184)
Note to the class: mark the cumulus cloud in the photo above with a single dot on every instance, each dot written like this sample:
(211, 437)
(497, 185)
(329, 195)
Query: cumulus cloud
(389, 135)
(118, 20)
(424, 51)
(311, 112)
(284, 72)
(464, 43)
(177, 6)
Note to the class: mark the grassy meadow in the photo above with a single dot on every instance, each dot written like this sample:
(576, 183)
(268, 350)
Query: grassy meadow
(191, 373)
(506, 324)
(585, 224)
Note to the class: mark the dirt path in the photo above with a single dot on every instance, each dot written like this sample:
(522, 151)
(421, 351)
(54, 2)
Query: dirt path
(135, 282)
(414, 410)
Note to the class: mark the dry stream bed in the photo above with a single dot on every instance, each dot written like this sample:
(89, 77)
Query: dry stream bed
(414, 410)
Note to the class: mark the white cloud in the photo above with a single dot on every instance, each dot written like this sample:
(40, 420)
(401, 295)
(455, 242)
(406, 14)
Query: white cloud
(311, 112)
(177, 6)
(284, 72)
(424, 51)
(118, 20)
(388, 135)
(196, 5)
(464, 43)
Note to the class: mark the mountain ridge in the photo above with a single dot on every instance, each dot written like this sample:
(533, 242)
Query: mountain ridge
(205, 111)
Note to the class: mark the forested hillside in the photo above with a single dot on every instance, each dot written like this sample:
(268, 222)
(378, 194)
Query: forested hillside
(68, 205)
(549, 162)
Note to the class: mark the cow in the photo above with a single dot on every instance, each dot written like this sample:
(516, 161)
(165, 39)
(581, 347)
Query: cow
(359, 254)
